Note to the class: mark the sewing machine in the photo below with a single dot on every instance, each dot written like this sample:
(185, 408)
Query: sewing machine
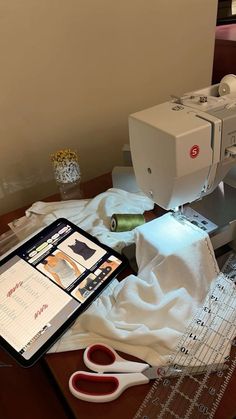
(184, 157)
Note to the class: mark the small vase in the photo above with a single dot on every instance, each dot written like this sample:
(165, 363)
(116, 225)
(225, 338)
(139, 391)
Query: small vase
(67, 174)
(70, 190)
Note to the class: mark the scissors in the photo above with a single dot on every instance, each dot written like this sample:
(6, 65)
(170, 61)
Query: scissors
(123, 374)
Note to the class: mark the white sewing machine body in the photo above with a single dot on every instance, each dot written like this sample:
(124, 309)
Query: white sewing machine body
(182, 150)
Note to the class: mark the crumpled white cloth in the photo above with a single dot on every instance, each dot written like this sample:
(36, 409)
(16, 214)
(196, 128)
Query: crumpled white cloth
(93, 215)
(146, 315)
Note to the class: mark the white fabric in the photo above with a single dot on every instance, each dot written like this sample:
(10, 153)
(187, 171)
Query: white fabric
(93, 215)
(146, 315)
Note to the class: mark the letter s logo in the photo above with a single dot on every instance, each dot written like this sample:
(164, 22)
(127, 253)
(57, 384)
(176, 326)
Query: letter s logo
(194, 151)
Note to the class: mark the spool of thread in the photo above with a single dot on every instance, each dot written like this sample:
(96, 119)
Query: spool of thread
(227, 85)
(126, 222)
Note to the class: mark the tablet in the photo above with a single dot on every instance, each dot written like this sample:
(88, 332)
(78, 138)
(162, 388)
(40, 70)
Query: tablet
(46, 283)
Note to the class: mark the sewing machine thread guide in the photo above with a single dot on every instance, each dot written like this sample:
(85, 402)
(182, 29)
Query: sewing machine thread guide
(190, 396)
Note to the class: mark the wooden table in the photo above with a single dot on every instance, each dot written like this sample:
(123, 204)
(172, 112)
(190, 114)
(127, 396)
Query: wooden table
(42, 391)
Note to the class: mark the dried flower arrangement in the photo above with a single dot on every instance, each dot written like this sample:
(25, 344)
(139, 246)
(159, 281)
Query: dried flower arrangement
(63, 156)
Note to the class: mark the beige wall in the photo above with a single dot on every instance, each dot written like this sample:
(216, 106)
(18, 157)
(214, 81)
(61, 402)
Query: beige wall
(73, 70)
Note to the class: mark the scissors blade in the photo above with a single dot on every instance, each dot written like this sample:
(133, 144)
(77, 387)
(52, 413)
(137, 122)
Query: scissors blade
(177, 370)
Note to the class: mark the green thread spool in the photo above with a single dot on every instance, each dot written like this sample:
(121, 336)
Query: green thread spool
(126, 222)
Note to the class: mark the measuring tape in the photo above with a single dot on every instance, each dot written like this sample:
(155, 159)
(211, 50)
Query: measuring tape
(206, 342)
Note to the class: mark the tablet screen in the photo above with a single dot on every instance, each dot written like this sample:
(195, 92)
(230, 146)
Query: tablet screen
(46, 283)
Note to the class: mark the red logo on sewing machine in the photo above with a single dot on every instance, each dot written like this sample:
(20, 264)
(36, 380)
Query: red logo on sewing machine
(194, 151)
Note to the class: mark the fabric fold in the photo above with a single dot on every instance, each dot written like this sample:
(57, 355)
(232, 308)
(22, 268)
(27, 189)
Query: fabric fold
(146, 315)
(93, 215)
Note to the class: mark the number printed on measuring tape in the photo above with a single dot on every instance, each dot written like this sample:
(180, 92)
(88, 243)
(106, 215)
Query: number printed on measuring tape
(166, 382)
(199, 321)
(194, 337)
(207, 309)
(203, 409)
(211, 391)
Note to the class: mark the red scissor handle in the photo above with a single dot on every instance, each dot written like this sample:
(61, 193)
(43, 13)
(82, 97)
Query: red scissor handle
(111, 361)
(102, 388)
